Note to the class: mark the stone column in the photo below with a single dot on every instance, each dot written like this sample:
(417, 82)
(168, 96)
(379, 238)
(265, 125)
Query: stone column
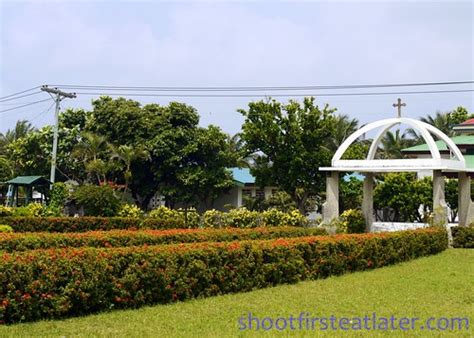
(465, 205)
(440, 208)
(368, 201)
(331, 206)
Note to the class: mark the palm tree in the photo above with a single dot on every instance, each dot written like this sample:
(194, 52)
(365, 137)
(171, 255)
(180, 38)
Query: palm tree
(441, 121)
(22, 128)
(394, 143)
(128, 154)
(237, 147)
(89, 150)
(343, 128)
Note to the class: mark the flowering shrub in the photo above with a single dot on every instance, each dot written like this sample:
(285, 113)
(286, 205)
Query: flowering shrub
(213, 219)
(130, 210)
(41, 218)
(30, 210)
(56, 283)
(244, 218)
(5, 211)
(119, 238)
(463, 237)
(351, 221)
(5, 228)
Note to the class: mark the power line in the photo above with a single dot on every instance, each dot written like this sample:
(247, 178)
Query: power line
(281, 95)
(23, 91)
(43, 112)
(24, 105)
(19, 97)
(263, 88)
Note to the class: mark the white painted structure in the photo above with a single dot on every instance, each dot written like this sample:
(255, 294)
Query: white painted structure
(436, 164)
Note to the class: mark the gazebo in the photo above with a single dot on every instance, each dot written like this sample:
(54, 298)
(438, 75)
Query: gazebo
(29, 183)
(369, 166)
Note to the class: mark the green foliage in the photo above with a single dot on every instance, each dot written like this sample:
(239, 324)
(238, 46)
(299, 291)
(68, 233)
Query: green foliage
(59, 194)
(289, 144)
(69, 224)
(97, 200)
(394, 143)
(404, 194)
(6, 211)
(122, 238)
(350, 193)
(30, 210)
(130, 211)
(463, 237)
(451, 195)
(5, 228)
(6, 169)
(68, 282)
(214, 219)
(351, 221)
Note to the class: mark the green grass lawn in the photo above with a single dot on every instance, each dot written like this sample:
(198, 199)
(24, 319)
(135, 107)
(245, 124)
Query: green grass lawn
(438, 286)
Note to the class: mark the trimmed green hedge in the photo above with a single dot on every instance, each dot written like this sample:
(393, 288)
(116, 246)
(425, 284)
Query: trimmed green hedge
(58, 283)
(116, 238)
(69, 224)
(463, 237)
(234, 219)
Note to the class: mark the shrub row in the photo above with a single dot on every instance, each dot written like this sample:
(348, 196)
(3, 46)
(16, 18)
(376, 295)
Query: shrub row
(11, 242)
(164, 219)
(58, 283)
(463, 237)
(69, 224)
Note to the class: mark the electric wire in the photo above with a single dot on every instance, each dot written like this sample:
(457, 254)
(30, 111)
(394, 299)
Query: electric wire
(262, 88)
(277, 95)
(18, 93)
(24, 105)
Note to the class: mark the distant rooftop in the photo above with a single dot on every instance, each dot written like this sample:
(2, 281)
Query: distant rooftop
(462, 140)
(242, 176)
(467, 127)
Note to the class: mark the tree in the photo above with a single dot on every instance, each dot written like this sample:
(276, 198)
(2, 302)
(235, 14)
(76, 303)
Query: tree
(22, 129)
(289, 145)
(127, 155)
(394, 143)
(237, 146)
(343, 128)
(443, 121)
(404, 194)
(90, 149)
(351, 193)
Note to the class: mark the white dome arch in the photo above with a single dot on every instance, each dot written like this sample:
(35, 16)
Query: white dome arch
(424, 129)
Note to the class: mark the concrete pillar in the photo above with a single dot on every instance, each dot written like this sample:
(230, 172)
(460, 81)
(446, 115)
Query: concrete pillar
(368, 201)
(465, 205)
(331, 206)
(440, 208)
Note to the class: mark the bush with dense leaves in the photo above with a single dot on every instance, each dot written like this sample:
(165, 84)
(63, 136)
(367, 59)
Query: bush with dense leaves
(57, 283)
(69, 224)
(352, 222)
(118, 238)
(97, 200)
(463, 237)
(5, 229)
(130, 210)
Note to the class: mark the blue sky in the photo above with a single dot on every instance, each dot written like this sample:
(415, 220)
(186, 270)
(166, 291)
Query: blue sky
(261, 43)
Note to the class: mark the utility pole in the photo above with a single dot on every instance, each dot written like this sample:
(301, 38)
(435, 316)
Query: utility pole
(60, 95)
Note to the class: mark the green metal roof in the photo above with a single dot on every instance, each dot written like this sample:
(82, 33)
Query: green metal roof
(29, 180)
(458, 140)
(469, 161)
(242, 176)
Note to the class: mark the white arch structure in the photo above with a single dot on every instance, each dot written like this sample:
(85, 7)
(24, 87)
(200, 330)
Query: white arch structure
(457, 161)
(370, 165)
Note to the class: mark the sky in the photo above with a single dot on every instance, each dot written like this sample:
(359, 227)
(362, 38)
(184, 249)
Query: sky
(238, 43)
